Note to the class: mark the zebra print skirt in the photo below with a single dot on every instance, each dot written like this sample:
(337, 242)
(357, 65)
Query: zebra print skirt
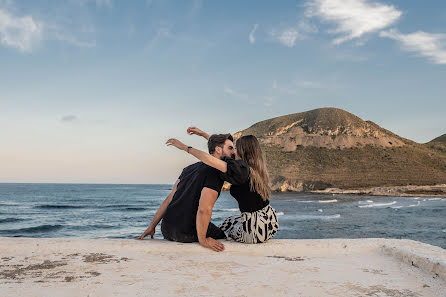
(252, 227)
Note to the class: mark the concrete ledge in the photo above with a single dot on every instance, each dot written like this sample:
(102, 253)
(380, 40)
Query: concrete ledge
(126, 267)
(429, 258)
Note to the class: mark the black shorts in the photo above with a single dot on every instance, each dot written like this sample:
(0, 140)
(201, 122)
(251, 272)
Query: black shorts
(173, 234)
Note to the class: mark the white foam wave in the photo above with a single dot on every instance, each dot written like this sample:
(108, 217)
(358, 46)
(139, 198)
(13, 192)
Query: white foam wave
(397, 207)
(316, 217)
(320, 210)
(8, 203)
(328, 201)
(230, 209)
(443, 231)
(378, 204)
(433, 199)
(365, 202)
(280, 213)
(414, 205)
(305, 201)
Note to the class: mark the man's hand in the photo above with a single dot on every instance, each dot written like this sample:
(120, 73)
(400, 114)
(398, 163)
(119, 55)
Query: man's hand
(149, 231)
(212, 244)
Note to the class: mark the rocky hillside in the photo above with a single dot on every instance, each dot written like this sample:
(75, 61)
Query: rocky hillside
(329, 147)
(440, 139)
(438, 144)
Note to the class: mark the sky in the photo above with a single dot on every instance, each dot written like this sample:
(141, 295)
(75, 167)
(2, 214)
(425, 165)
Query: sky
(90, 90)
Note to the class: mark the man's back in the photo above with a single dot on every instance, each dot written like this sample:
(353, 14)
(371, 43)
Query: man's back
(182, 210)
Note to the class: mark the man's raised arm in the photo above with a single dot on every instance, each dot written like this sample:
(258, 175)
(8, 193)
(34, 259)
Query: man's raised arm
(204, 214)
(159, 213)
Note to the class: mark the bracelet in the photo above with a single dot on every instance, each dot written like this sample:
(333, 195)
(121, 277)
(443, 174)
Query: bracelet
(188, 149)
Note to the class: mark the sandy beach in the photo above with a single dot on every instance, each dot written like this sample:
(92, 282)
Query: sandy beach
(117, 267)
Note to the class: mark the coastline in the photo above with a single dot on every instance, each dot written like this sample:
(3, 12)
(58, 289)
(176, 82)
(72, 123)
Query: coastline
(438, 190)
(313, 267)
(397, 191)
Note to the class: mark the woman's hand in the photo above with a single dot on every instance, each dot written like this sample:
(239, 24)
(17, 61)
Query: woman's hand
(196, 131)
(149, 231)
(176, 143)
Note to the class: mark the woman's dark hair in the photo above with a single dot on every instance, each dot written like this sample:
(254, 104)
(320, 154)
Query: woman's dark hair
(218, 140)
(248, 149)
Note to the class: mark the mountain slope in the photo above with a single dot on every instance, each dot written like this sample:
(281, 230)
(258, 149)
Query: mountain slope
(330, 147)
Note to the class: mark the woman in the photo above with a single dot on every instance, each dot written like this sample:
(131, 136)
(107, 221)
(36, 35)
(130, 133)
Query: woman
(250, 187)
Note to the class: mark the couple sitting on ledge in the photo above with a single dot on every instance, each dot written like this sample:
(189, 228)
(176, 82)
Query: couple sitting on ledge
(186, 212)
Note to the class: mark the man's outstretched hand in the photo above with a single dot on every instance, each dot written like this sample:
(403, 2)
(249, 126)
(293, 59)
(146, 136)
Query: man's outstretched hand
(149, 231)
(212, 244)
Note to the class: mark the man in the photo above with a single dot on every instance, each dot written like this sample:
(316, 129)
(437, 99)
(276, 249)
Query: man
(187, 210)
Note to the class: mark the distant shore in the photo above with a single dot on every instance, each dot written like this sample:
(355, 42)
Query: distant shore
(396, 191)
(307, 267)
(399, 191)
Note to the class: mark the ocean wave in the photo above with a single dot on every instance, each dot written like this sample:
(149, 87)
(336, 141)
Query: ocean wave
(315, 217)
(7, 203)
(10, 220)
(328, 201)
(303, 201)
(91, 227)
(37, 229)
(378, 204)
(134, 209)
(280, 213)
(230, 209)
(433, 199)
(116, 205)
(58, 206)
(365, 202)
(414, 205)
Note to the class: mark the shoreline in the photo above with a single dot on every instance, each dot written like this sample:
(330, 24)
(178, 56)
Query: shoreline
(295, 267)
(397, 191)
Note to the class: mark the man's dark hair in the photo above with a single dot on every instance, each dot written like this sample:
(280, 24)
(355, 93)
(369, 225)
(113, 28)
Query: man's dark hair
(218, 140)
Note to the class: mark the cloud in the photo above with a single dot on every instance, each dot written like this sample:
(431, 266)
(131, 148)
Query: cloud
(234, 93)
(161, 33)
(305, 27)
(71, 39)
(22, 33)
(286, 37)
(252, 39)
(69, 118)
(432, 46)
(353, 18)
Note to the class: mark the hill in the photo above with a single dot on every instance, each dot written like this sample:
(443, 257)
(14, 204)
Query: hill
(438, 144)
(330, 147)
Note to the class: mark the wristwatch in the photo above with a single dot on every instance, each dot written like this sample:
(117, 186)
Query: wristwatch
(188, 149)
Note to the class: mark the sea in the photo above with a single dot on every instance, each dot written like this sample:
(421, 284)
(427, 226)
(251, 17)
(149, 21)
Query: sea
(124, 211)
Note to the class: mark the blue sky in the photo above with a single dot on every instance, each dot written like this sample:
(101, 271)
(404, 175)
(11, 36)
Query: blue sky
(90, 90)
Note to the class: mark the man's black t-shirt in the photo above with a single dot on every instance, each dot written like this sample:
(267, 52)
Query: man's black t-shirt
(182, 210)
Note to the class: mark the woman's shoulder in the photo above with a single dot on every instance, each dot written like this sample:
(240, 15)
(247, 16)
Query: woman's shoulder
(237, 171)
